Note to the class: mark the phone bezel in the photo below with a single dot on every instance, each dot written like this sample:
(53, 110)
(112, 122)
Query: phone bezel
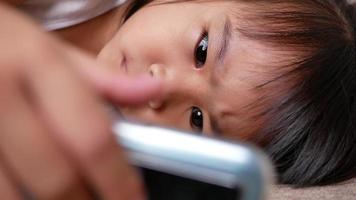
(201, 158)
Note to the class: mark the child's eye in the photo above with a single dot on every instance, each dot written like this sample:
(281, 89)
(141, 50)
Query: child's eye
(201, 51)
(196, 119)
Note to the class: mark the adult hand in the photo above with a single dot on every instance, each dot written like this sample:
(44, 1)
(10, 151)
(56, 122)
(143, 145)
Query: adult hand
(55, 137)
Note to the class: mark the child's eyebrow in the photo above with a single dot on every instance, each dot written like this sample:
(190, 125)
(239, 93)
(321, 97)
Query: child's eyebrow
(224, 41)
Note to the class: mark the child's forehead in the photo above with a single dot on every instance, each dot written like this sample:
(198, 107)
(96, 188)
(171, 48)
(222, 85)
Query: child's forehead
(249, 64)
(215, 4)
(255, 61)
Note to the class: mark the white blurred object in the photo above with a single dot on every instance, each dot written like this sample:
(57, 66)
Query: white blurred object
(58, 14)
(230, 165)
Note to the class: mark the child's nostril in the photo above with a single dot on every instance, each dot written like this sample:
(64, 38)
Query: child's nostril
(157, 70)
(151, 73)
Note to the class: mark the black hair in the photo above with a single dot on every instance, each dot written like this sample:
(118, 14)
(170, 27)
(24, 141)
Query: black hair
(309, 129)
(134, 6)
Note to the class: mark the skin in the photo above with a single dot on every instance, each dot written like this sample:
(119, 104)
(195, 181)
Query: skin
(51, 106)
(161, 40)
(158, 41)
(54, 90)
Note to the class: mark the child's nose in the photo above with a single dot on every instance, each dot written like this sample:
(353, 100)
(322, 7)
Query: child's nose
(158, 71)
(180, 84)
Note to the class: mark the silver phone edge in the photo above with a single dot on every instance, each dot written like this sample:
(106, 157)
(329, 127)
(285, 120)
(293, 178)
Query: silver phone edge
(165, 149)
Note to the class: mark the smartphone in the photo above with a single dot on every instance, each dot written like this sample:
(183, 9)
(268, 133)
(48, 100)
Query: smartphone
(178, 165)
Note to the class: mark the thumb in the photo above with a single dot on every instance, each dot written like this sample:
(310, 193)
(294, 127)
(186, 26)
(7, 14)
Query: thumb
(120, 89)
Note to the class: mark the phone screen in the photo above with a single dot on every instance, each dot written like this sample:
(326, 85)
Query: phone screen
(162, 186)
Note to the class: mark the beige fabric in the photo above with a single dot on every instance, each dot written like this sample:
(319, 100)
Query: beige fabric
(342, 191)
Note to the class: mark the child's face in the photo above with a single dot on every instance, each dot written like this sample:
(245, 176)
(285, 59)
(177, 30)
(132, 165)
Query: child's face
(208, 80)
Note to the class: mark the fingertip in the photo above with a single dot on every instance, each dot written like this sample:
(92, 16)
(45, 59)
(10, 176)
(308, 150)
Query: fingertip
(154, 84)
(142, 81)
(133, 91)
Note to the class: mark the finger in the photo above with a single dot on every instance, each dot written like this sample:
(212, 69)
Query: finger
(7, 189)
(31, 155)
(84, 131)
(122, 89)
